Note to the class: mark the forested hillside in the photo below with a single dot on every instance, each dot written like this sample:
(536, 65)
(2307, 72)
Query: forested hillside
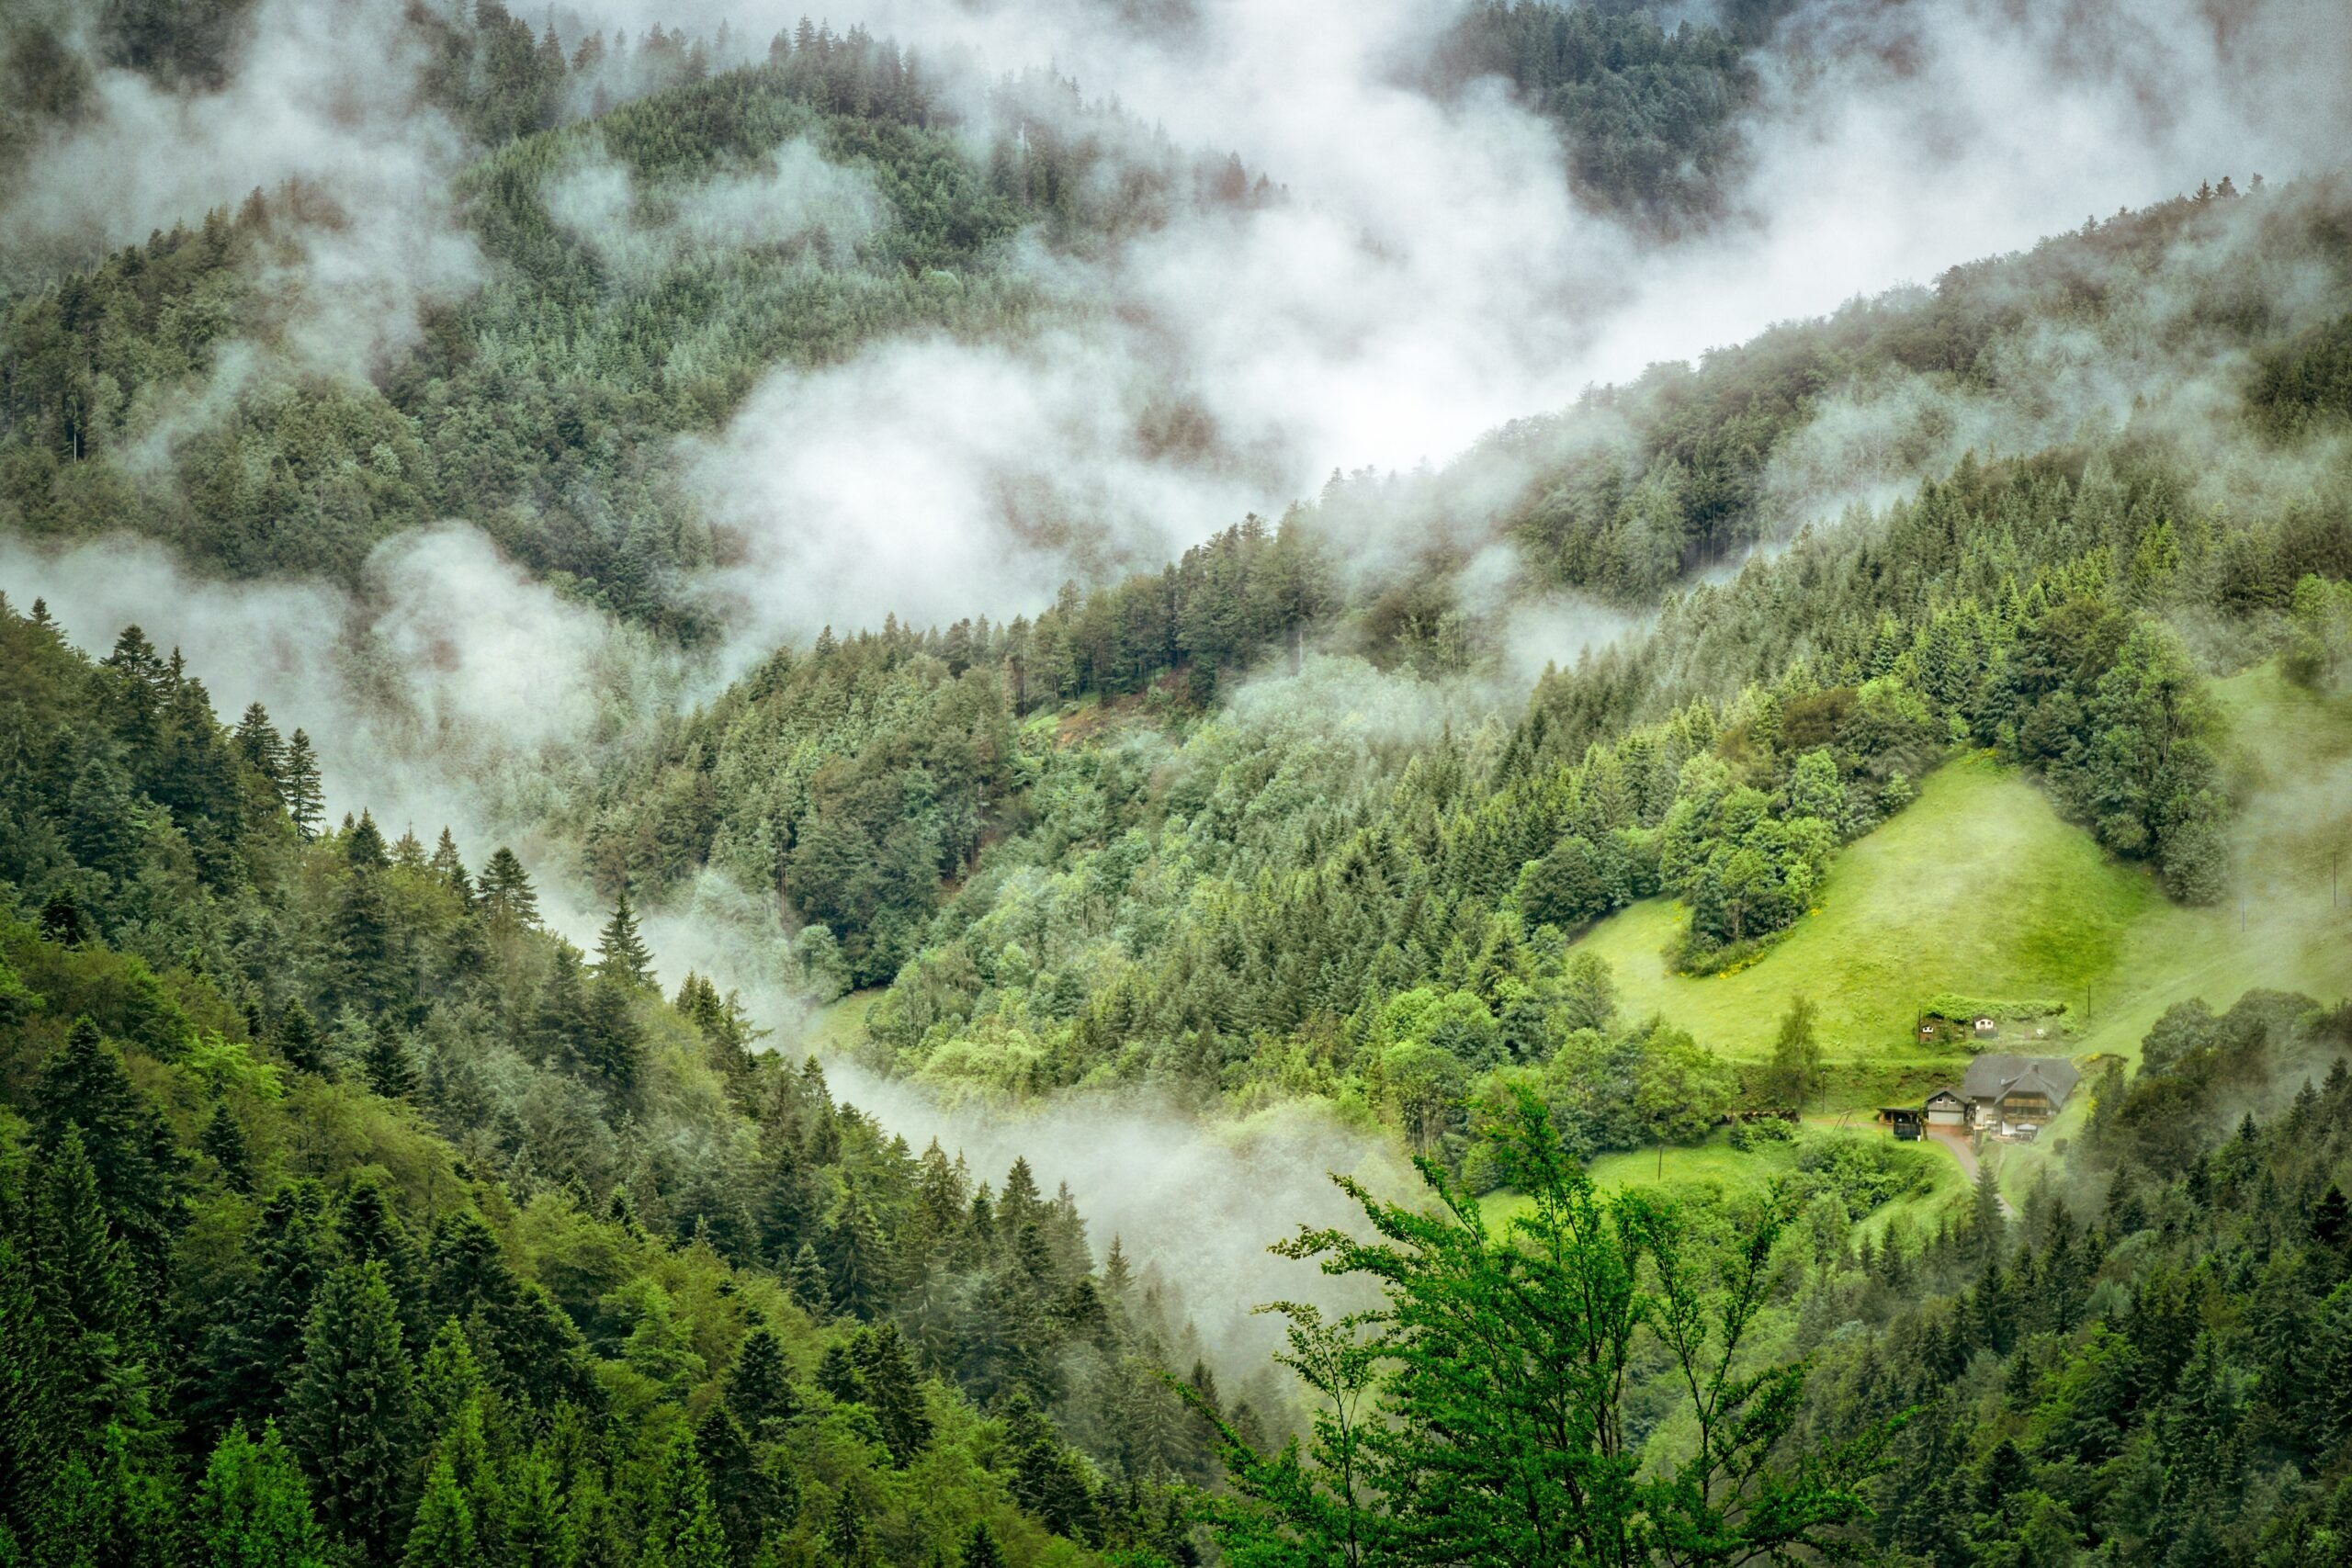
(1625, 815)
(346, 1214)
(1275, 895)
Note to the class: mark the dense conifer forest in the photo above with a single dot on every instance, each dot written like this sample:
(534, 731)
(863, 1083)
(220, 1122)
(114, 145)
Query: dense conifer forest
(1596, 848)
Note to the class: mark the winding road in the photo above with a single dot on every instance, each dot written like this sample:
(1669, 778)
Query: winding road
(1964, 1150)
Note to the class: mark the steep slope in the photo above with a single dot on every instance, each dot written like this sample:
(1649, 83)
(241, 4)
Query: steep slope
(1980, 889)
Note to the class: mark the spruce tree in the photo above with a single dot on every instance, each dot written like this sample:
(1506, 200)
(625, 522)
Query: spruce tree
(442, 1535)
(980, 1549)
(621, 954)
(254, 1348)
(614, 1041)
(364, 961)
(447, 865)
(129, 1145)
(264, 750)
(391, 1072)
(351, 1414)
(893, 1390)
(363, 845)
(759, 1391)
(683, 1527)
(223, 1141)
(84, 1281)
(299, 787)
(507, 899)
(743, 1494)
(295, 1037)
(252, 1508)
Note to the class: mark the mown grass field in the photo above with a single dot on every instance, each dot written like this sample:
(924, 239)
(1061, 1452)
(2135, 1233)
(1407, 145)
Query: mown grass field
(1980, 887)
(1715, 1165)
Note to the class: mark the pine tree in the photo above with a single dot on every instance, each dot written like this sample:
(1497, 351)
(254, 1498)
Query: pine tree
(621, 954)
(299, 787)
(252, 1509)
(351, 1414)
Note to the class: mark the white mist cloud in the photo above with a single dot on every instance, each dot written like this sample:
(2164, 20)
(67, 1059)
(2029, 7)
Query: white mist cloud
(1429, 277)
(450, 689)
(792, 197)
(323, 98)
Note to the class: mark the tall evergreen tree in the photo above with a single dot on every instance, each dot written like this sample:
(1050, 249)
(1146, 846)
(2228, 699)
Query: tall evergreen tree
(508, 900)
(252, 1508)
(300, 787)
(621, 954)
(351, 1414)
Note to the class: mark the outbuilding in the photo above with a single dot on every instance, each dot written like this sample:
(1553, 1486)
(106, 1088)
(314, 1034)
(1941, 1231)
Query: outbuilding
(1946, 1107)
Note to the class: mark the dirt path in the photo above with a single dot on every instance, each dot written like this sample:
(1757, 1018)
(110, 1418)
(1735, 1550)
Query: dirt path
(1964, 1151)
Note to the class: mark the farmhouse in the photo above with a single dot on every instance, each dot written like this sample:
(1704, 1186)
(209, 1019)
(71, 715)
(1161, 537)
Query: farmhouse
(2015, 1096)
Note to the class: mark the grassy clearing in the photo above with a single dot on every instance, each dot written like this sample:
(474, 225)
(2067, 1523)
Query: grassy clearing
(1981, 888)
(837, 1026)
(1717, 1169)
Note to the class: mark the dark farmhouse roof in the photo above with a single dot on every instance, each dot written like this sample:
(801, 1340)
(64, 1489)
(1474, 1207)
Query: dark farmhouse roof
(1995, 1076)
(1951, 1094)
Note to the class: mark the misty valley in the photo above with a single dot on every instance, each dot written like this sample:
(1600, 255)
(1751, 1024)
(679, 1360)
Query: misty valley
(1166, 782)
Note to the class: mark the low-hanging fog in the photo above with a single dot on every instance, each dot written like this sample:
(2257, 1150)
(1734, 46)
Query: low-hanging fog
(1424, 275)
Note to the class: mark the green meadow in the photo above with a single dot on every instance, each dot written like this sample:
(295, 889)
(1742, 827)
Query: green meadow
(1981, 888)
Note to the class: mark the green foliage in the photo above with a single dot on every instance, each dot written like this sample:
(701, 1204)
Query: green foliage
(625, 1202)
(1480, 1412)
(252, 1508)
(1649, 116)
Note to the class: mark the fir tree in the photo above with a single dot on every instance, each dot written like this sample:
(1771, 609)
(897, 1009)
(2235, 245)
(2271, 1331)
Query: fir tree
(759, 1391)
(980, 1549)
(621, 954)
(252, 1508)
(507, 899)
(442, 1535)
(299, 787)
(351, 1414)
(264, 750)
(805, 1283)
(296, 1039)
(446, 865)
(223, 1141)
